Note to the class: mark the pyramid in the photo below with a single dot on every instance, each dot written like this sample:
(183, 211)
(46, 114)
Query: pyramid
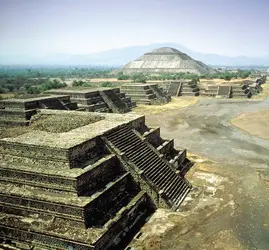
(166, 60)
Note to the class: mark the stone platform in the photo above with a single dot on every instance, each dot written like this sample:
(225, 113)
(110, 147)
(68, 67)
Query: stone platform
(146, 93)
(227, 91)
(180, 88)
(109, 100)
(86, 187)
(18, 112)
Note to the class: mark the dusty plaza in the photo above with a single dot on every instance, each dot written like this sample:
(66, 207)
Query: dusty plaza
(228, 206)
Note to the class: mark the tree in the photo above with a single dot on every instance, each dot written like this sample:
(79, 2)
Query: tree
(139, 77)
(107, 84)
(227, 77)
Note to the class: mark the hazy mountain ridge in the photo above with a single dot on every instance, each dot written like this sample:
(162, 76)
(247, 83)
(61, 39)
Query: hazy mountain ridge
(122, 56)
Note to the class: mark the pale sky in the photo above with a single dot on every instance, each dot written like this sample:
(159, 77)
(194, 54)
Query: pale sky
(226, 27)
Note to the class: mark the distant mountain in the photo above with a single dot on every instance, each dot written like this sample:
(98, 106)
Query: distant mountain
(119, 57)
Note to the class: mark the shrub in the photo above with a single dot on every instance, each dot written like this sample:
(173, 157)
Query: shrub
(107, 84)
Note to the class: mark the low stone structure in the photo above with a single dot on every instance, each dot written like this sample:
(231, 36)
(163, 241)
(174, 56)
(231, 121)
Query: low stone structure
(243, 89)
(87, 187)
(18, 112)
(227, 91)
(99, 100)
(146, 93)
(180, 88)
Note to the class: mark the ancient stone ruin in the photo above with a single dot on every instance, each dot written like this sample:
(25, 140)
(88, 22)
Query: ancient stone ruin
(18, 112)
(166, 60)
(244, 89)
(109, 100)
(85, 187)
(180, 88)
(146, 93)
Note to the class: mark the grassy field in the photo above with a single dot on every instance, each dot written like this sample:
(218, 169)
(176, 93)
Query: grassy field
(7, 95)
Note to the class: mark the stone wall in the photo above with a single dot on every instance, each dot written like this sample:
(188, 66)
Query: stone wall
(98, 175)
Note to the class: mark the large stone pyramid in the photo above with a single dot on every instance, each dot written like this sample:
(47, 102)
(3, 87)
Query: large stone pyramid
(166, 60)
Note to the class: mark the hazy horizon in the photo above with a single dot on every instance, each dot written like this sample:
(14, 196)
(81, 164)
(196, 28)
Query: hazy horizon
(224, 27)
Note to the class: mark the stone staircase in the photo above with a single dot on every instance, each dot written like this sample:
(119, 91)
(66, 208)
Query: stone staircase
(240, 92)
(189, 89)
(129, 102)
(165, 147)
(114, 102)
(175, 88)
(159, 93)
(158, 173)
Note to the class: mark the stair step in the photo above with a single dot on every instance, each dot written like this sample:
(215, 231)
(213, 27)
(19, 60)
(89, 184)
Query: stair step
(154, 170)
(160, 175)
(172, 188)
(182, 198)
(166, 176)
(139, 155)
(127, 142)
(178, 188)
(183, 193)
(120, 131)
(168, 180)
(149, 167)
(170, 184)
(126, 145)
(143, 156)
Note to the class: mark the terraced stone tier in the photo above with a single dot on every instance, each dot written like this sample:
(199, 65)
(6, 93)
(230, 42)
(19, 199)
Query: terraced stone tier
(33, 103)
(79, 181)
(24, 114)
(90, 210)
(18, 112)
(50, 234)
(13, 122)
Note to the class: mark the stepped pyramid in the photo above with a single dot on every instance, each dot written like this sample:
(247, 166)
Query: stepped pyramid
(88, 186)
(166, 60)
